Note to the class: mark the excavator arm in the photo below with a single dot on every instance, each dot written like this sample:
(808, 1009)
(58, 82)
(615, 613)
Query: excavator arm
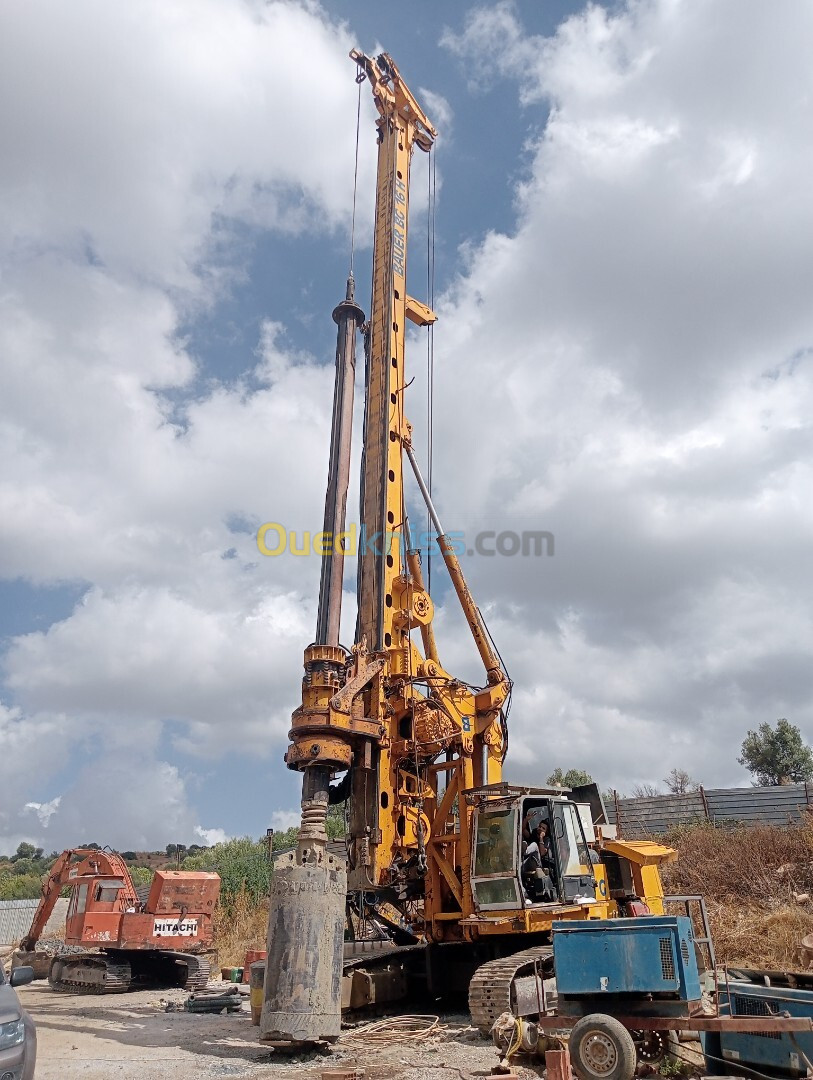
(51, 888)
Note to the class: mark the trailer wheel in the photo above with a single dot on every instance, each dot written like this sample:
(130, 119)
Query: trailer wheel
(602, 1049)
(651, 1046)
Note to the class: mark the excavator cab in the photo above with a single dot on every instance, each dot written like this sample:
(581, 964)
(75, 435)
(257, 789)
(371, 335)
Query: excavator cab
(515, 864)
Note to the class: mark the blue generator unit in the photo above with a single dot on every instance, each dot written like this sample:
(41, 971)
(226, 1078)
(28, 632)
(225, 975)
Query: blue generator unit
(646, 964)
(775, 1053)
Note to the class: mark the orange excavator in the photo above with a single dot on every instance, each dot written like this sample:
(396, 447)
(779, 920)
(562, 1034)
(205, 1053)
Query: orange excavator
(157, 941)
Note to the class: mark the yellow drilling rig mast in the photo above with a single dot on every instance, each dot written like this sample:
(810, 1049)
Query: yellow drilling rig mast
(437, 844)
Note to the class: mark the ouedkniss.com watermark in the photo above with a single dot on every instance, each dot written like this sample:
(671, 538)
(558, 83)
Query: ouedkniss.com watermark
(274, 539)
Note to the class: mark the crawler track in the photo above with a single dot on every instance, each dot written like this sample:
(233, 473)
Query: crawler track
(198, 969)
(97, 973)
(491, 988)
(89, 973)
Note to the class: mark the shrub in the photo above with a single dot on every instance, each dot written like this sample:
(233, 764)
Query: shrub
(242, 864)
(20, 886)
(750, 877)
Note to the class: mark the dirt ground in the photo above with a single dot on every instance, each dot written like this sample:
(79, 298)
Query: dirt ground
(133, 1037)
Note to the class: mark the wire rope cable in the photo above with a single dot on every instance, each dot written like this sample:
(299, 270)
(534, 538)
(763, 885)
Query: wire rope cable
(401, 1029)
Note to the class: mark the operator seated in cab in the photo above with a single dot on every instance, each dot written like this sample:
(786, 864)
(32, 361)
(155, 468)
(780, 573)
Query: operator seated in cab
(537, 867)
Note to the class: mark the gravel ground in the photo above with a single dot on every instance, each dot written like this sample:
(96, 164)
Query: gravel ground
(133, 1037)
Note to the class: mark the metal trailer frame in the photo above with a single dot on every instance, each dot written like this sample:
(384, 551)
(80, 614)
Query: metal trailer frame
(690, 1020)
(636, 1022)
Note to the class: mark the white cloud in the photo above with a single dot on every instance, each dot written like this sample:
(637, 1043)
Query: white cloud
(439, 111)
(167, 118)
(129, 165)
(644, 336)
(45, 811)
(630, 368)
(282, 820)
(210, 837)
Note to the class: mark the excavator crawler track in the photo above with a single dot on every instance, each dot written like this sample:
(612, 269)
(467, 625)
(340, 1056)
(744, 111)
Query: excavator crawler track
(89, 973)
(491, 991)
(96, 973)
(198, 969)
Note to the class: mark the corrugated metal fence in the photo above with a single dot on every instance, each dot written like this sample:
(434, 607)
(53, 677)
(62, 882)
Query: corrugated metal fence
(15, 919)
(16, 916)
(784, 805)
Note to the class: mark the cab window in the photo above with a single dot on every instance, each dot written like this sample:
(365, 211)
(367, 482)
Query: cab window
(78, 902)
(574, 857)
(496, 843)
(107, 891)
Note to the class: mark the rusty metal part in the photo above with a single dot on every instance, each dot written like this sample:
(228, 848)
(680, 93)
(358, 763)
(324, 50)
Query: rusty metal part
(38, 959)
(362, 988)
(431, 726)
(650, 1046)
(198, 969)
(692, 1023)
(329, 724)
(333, 753)
(348, 317)
(341, 701)
(302, 1002)
(498, 986)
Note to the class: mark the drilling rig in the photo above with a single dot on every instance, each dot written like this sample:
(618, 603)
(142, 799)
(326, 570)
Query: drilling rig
(435, 845)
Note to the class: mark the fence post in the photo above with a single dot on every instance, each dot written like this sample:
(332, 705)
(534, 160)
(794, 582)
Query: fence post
(705, 803)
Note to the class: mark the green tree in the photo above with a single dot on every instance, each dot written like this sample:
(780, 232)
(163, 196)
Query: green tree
(25, 851)
(20, 886)
(242, 864)
(571, 778)
(334, 824)
(141, 875)
(776, 755)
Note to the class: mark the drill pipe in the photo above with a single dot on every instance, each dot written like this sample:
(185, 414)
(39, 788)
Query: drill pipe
(302, 992)
(348, 317)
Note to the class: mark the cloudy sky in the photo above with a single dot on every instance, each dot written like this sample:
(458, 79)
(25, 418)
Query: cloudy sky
(623, 358)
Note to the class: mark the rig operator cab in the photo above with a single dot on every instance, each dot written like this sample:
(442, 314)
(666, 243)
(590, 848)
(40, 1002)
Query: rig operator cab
(532, 848)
